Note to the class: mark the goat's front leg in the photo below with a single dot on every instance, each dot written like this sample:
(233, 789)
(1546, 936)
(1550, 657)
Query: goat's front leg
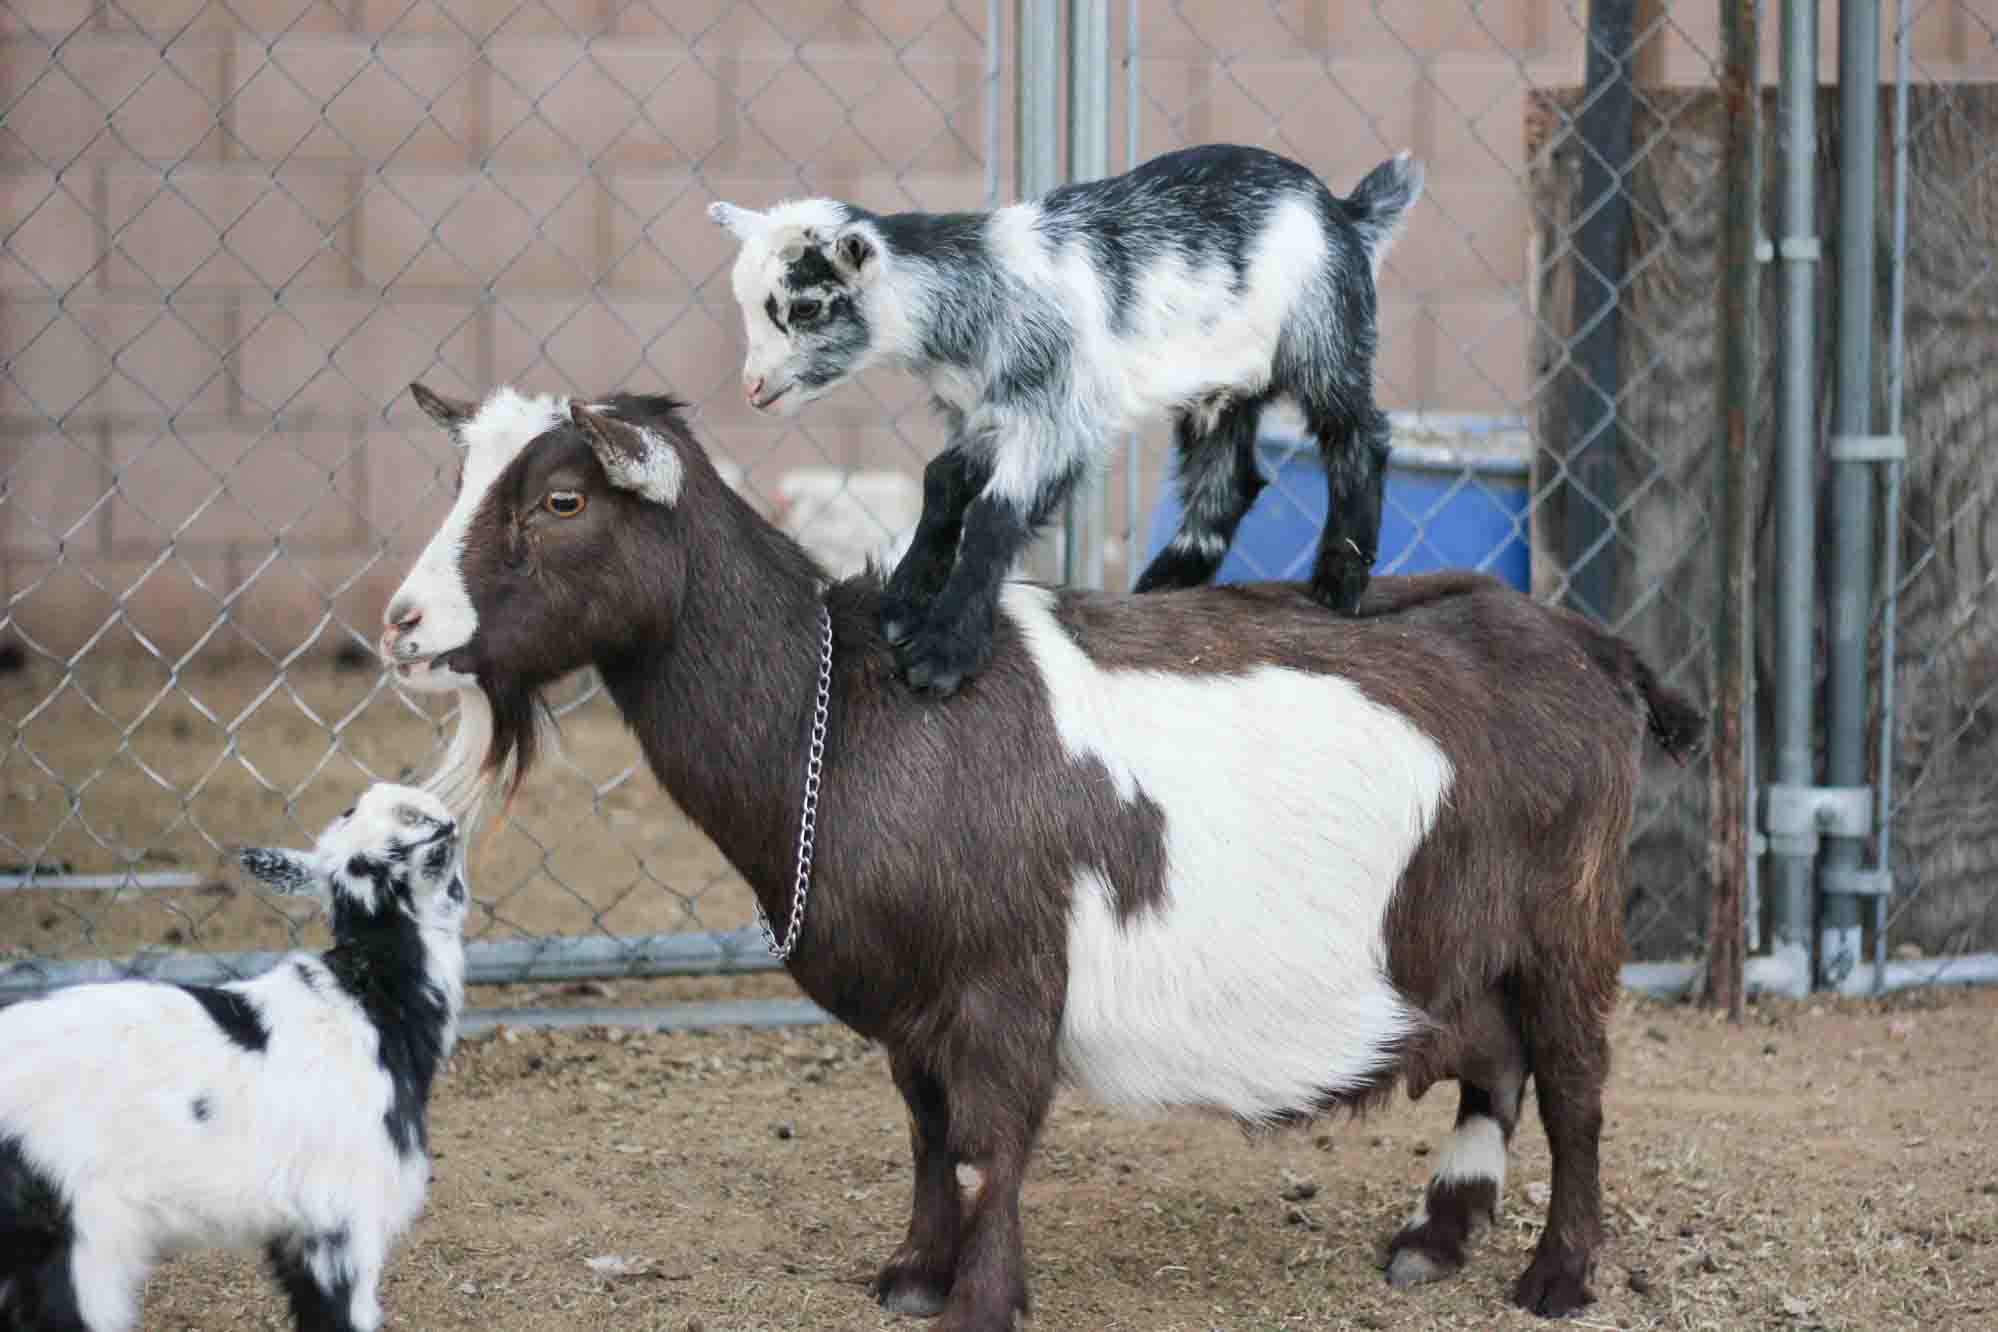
(330, 1281)
(997, 1106)
(918, 1276)
(950, 482)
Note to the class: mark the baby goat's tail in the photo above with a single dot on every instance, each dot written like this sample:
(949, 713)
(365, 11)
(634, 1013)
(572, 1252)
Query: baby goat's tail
(1379, 204)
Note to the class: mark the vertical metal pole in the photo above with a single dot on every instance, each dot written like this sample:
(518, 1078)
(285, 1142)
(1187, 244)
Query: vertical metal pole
(1037, 154)
(1088, 159)
(1795, 593)
(1852, 493)
(1890, 546)
(1594, 440)
(1733, 635)
(994, 18)
(1133, 529)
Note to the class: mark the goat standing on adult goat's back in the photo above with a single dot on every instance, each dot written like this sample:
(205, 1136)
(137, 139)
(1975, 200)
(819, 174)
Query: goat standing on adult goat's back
(1210, 847)
(1204, 284)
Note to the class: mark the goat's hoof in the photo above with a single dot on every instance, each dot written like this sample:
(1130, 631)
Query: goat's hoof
(906, 1290)
(1425, 1252)
(1554, 1285)
(938, 663)
(898, 632)
(1339, 580)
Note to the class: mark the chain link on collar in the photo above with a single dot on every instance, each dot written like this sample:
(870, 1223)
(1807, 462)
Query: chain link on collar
(808, 823)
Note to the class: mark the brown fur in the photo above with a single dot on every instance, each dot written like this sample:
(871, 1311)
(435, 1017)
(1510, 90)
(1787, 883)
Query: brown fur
(950, 833)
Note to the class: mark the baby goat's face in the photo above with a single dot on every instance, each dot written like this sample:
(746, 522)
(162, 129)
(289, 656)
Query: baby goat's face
(801, 278)
(397, 849)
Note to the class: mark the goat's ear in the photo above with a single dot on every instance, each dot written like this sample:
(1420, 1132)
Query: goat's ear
(741, 223)
(641, 461)
(447, 412)
(279, 870)
(855, 257)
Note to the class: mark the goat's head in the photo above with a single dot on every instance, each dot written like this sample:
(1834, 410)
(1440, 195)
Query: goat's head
(802, 278)
(548, 560)
(397, 850)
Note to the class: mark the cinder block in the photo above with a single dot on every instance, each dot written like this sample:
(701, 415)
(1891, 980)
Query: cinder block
(1477, 120)
(54, 484)
(1481, 356)
(1465, 239)
(52, 240)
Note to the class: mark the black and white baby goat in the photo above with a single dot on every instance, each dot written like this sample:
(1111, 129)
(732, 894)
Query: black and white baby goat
(1204, 284)
(1212, 847)
(284, 1113)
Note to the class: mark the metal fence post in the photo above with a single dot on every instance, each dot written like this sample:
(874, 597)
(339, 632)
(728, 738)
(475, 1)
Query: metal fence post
(1852, 467)
(1890, 548)
(1088, 513)
(1594, 443)
(1795, 592)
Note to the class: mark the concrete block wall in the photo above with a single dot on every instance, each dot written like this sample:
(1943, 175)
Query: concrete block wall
(231, 235)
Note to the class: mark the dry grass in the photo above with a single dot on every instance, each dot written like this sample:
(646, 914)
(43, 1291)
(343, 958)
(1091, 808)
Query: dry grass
(1825, 1166)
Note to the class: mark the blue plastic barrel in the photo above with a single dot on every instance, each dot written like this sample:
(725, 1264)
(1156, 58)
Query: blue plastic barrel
(1444, 509)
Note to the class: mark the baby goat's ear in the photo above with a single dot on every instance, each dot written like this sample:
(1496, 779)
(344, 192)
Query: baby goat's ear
(641, 461)
(279, 870)
(447, 412)
(742, 223)
(855, 257)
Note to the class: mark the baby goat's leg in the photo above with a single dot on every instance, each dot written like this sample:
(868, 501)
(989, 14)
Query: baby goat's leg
(955, 639)
(1218, 481)
(917, 1278)
(1354, 446)
(108, 1264)
(950, 482)
(329, 1282)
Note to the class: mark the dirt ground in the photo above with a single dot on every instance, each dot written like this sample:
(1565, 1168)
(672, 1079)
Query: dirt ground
(1824, 1166)
(117, 767)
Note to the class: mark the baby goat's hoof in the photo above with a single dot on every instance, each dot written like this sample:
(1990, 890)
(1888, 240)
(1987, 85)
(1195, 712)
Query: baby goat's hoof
(1340, 577)
(938, 660)
(1554, 1284)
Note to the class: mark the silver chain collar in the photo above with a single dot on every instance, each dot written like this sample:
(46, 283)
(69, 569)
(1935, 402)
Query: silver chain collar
(808, 823)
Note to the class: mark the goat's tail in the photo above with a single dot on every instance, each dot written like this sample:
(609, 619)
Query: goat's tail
(1379, 204)
(1674, 722)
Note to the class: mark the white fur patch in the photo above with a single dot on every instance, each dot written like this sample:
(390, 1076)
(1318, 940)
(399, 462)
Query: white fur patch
(1292, 804)
(1475, 1150)
(657, 476)
(505, 423)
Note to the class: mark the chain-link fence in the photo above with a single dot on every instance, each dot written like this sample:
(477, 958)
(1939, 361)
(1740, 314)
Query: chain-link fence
(231, 233)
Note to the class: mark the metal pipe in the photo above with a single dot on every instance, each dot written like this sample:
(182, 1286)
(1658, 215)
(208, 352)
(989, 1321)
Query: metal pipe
(1770, 975)
(1088, 515)
(1890, 546)
(1839, 934)
(994, 12)
(1132, 568)
(705, 954)
(1037, 166)
(1795, 593)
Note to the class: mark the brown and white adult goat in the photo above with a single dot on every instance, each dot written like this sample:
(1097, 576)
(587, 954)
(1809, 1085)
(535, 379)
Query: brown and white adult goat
(1210, 847)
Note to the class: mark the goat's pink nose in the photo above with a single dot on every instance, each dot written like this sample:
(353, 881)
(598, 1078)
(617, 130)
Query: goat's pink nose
(403, 616)
(752, 387)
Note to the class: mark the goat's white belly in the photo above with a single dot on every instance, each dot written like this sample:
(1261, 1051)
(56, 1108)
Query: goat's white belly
(1292, 804)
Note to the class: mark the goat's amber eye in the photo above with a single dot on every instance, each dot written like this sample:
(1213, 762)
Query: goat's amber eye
(563, 503)
(804, 312)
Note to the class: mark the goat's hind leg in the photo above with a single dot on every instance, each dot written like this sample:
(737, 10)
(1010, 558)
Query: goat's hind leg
(917, 1278)
(1354, 448)
(1569, 1051)
(1218, 482)
(1463, 1194)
